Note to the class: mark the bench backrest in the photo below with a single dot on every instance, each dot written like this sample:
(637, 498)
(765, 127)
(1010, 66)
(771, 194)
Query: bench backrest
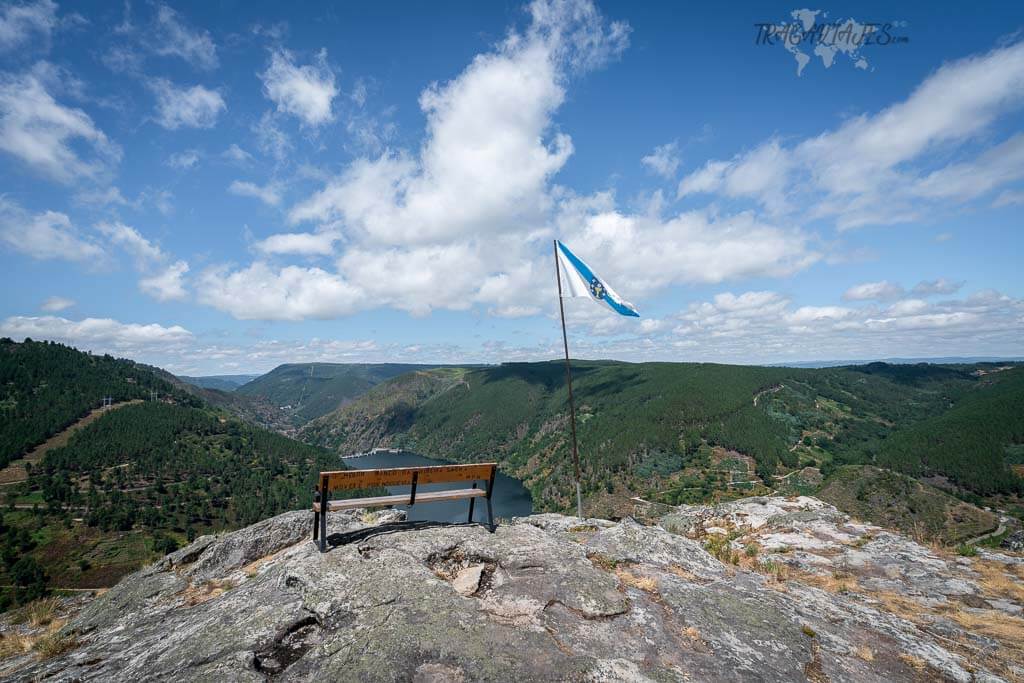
(405, 476)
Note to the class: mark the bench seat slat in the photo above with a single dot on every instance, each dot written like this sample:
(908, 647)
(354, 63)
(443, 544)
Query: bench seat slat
(402, 499)
(375, 501)
(453, 494)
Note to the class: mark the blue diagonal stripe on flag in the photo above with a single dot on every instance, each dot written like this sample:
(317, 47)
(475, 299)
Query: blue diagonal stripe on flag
(580, 280)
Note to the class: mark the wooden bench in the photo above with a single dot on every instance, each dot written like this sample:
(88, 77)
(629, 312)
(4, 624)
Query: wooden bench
(400, 476)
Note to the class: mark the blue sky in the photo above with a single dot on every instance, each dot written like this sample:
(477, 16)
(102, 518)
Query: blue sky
(223, 187)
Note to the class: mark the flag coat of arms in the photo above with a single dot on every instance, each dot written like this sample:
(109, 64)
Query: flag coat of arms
(580, 281)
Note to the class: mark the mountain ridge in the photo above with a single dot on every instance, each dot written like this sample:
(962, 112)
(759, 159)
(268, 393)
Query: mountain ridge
(660, 430)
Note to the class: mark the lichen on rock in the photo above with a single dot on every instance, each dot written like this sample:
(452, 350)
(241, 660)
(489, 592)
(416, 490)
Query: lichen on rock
(552, 598)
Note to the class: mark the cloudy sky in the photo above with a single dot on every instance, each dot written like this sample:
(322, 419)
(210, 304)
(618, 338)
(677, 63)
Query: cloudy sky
(219, 187)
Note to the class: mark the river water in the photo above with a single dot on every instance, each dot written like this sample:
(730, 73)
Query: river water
(509, 499)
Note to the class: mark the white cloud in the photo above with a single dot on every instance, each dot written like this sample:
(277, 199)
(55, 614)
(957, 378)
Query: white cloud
(291, 293)
(236, 154)
(909, 301)
(54, 304)
(467, 219)
(305, 91)
(664, 160)
(490, 148)
(122, 59)
(760, 173)
(359, 93)
(370, 134)
(300, 243)
(172, 37)
(940, 286)
(807, 314)
(756, 303)
(271, 139)
(416, 280)
(21, 23)
(46, 235)
(195, 107)
(40, 131)
(1009, 198)
(129, 239)
(161, 200)
(126, 25)
(96, 334)
(184, 160)
(873, 169)
(649, 252)
(160, 280)
(269, 194)
(986, 323)
(276, 31)
(412, 222)
(878, 291)
(907, 307)
(106, 197)
(167, 284)
(998, 165)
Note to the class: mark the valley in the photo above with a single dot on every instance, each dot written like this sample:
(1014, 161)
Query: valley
(929, 450)
(687, 433)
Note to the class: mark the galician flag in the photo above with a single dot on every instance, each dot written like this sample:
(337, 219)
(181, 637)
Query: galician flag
(580, 280)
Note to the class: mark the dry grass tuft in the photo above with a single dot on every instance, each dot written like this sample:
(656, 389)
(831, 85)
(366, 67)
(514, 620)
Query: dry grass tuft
(46, 642)
(865, 653)
(196, 595)
(913, 661)
(684, 573)
(645, 583)
(836, 582)
(603, 562)
(14, 644)
(693, 636)
(42, 612)
(995, 579)
(253, 568)
(54, 644)
(994, 624)
(776, 572)
(899, 605)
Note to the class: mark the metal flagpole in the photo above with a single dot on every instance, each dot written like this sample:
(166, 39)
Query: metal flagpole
(568, 379)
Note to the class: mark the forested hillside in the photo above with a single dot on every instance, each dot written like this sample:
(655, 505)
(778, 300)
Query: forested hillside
(655, 413)
(673, 431)
(897, 501)
(985, 425)
(135, 482)
(44, 387)
(309, 390)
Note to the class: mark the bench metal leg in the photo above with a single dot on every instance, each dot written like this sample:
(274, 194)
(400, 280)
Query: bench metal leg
(490, 490)
(471, 501)
(323, 527)
(316, 515)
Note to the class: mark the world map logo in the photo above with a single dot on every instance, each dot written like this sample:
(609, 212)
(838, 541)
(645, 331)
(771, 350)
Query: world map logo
(597, 288)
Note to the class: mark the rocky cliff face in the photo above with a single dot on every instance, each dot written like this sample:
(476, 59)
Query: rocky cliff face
(791, 590)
